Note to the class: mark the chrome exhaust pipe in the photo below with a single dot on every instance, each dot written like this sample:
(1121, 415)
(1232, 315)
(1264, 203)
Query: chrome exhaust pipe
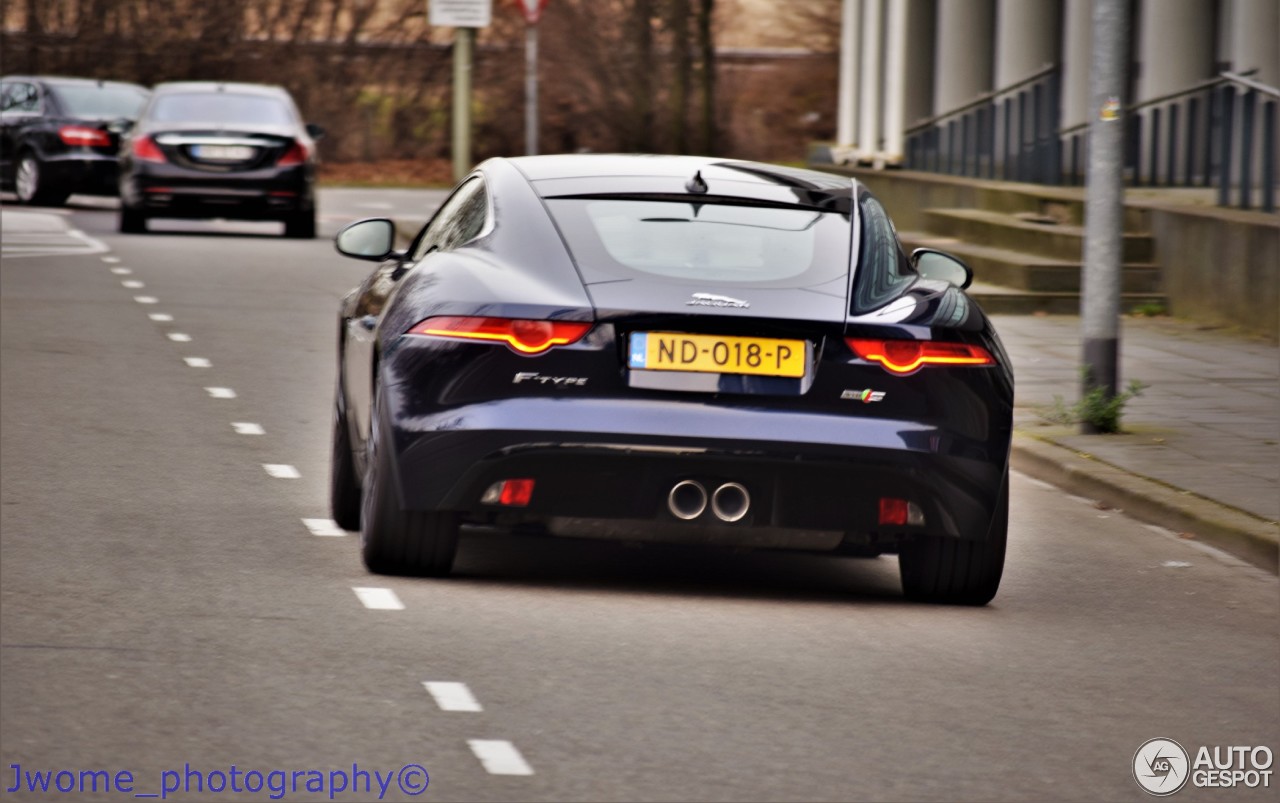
(730, 502)
(687, 500)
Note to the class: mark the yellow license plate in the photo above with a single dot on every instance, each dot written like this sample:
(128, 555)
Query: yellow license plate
(671, 351)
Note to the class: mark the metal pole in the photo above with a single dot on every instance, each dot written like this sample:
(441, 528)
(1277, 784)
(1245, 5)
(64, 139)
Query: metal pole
(531, 90)
(462, 46)
(1104, 206)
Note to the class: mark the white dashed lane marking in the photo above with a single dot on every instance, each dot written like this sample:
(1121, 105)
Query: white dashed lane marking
(379, 599)
(161, 317)
(247, 428)
(121, 271)
(452, 696)
(282, 471)
(499, 757)
(179, 337)
(325, 527)
(221, 393)
(132, 284)
(197, 362)
(146, 299)
(111, 260)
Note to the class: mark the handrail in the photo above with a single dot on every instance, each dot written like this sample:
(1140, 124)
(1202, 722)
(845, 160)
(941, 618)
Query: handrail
(982, 100)
(1201, 86)
(1257, 86)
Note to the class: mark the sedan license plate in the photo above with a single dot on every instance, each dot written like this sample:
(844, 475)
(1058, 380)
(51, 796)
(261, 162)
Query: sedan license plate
(762, 356)
(223, 153)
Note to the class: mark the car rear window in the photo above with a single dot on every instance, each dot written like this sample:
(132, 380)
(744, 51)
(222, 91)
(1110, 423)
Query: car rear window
(707, 242)
(222, 108)
(103, 102)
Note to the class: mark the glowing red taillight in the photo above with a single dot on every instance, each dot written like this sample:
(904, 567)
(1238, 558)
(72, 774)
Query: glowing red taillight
(509, 493)
(523, 336)
(296, 155)
(145, 149)
(83, 136)
(908, 356)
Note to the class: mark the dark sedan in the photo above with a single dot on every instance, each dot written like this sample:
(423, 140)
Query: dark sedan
(60, 136)
(671, 349)
(220, 150)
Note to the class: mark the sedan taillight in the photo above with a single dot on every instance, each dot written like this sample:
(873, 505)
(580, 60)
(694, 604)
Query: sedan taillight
(909, 356)
(296, 155)
(145, 149)
(523, 336)
(84, 136)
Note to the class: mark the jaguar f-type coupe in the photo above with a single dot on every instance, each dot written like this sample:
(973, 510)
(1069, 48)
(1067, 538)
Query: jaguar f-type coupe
(671, 349)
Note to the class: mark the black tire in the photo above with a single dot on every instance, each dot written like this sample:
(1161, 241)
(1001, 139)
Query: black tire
(955, 572)
(344, 489)
(397, 541)
(301, 226)
(32, 185)
(132, 221)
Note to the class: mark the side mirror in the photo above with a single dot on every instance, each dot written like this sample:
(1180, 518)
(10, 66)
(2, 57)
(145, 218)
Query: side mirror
(933, 264)
(315, 131)
(373, 239)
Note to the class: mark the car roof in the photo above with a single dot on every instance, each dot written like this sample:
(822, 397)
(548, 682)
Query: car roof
(232, 87)
(67, 80)
(661, 175)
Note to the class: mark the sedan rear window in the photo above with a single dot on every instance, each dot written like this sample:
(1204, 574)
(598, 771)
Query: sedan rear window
(222, 108)
(101, 102)
(707, 242)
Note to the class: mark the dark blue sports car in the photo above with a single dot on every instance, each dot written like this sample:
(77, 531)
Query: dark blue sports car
(671, 349)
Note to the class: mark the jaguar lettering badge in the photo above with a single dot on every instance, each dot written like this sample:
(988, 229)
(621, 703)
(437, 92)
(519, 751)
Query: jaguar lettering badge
(713, 300)
(864, 396)
(559, 381)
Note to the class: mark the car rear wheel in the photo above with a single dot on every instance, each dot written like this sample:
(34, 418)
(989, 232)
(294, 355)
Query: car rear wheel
(954, 571)
(33, 187)
(132, 221)
(344, 491)
(394, 540)
(301, 226)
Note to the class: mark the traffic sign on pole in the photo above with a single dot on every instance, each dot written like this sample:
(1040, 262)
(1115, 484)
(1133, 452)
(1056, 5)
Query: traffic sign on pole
(532, 10)
(460, 13)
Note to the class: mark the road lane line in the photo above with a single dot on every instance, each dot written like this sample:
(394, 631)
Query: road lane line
(146, 299)
(133, 284)
(179, 337)
(452, 696)
(247, 428)
(121, 271)
(162, 317)
(324, 527)
(379, 599)
(499, 757)
(221, 393)
(198, 362)
(282, 471)
(111, 260)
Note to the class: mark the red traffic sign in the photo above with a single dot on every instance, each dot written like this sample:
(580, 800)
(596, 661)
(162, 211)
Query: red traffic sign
(532, 9)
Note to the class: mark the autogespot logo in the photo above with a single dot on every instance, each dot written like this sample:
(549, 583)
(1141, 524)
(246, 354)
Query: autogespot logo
(1161, 767)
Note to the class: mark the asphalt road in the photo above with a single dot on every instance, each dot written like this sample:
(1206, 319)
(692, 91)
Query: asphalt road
(163, 602)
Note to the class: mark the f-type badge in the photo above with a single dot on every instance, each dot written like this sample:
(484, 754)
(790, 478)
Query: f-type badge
(864, 396)
(713, 300)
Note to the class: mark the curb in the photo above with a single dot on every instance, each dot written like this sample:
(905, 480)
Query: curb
(1247, 537)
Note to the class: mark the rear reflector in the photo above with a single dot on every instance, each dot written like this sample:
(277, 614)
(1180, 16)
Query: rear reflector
(523, 336)
(908, 356)
(899, 512)
(509, 493)
(79, 135)
(145, 149)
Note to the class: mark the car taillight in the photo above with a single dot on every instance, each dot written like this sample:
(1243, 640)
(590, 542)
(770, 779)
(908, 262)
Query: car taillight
(524, 336)
(908, 356)
(79, 135)
(145, 149)
(296, 155)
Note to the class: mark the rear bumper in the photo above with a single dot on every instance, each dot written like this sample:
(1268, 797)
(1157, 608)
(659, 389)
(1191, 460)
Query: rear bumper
(171, 191)
(85, 173)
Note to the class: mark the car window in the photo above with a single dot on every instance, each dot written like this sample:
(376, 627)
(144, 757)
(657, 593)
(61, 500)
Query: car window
(20, 97)
(101, 101)
(460, 220)
(221, 108)
(708, 242)
(883, 269)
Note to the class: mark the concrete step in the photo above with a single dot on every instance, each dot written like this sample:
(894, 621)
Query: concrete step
(1060, 242)
(1022, 271)
(996, 300)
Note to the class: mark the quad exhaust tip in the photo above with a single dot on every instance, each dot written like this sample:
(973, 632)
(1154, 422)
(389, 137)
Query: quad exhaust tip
(730, 502)
(687, 500)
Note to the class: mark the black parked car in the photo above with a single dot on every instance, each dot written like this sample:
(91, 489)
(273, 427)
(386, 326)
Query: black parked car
(220, 150)
(671, 349)
(60, 136)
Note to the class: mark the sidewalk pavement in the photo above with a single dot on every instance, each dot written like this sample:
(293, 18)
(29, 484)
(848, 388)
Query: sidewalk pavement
(1199, 450)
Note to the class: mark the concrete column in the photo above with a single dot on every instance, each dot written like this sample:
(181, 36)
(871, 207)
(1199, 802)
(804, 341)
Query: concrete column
(1076, 45)
(895, 82)
(1175, 48)
(847, 112)
(869, 93)
(1027, 38)
(921, 46)
(1255, 39)
(963, 69)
